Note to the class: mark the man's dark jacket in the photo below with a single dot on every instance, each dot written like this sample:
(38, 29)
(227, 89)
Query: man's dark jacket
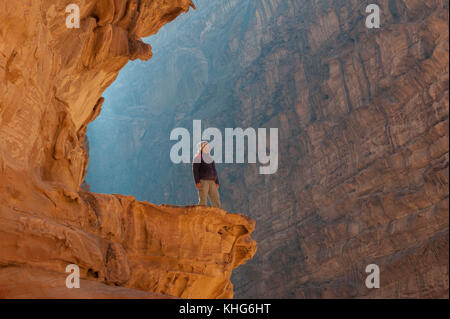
(204, 168)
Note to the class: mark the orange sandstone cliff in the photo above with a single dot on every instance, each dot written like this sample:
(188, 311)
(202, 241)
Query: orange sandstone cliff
(51, 82)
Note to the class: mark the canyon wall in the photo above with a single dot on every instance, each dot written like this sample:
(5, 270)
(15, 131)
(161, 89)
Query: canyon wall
(363, 123)
(51, 82)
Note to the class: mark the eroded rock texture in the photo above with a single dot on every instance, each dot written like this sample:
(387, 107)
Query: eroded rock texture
(51, 82)
(363, 119)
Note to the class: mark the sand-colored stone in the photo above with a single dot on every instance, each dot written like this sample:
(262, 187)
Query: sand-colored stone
(51, 82)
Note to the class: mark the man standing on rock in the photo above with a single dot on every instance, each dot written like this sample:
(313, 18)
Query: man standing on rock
(205, 176)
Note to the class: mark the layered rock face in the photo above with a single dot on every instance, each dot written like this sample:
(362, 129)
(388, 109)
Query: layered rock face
(51, 82)
(363, 120)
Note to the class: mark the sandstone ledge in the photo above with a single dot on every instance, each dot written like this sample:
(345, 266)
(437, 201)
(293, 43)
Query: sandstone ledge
(186, 252)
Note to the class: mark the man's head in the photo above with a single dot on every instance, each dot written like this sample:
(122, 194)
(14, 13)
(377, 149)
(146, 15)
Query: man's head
(203, 147)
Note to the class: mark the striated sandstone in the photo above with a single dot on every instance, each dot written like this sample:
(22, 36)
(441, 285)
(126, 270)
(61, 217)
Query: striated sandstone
(187, 252)
(51, 82)
(364, 139)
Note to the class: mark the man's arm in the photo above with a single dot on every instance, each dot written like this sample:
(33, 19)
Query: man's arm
(217, 175)
(195, 171)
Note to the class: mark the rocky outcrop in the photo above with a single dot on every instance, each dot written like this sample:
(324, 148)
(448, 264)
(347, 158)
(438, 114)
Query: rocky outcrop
(363, 120)
(51, 82)
(187, 252)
